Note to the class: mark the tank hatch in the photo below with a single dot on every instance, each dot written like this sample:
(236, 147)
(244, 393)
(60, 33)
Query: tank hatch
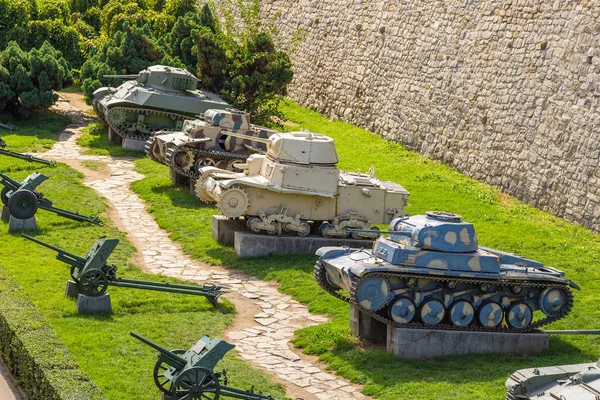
(302, 148)
(438, 231)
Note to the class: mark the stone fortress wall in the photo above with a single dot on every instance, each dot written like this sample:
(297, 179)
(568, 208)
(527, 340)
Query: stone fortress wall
(504, 91)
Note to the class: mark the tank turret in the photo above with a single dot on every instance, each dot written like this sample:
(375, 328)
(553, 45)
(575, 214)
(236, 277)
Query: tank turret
(158, 98)
(564, 382)
(431, 271)
(297, 182)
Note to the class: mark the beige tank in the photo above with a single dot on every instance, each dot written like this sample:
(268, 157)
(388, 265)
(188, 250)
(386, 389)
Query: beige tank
(296, 182)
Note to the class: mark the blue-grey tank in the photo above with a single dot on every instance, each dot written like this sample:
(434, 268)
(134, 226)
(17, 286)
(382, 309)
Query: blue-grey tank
(564, 382)
(430, 272)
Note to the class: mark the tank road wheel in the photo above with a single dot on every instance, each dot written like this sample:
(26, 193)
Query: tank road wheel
(234, 202)
(165, 385)
(461, 313)
(253, 224)
(183, 159)
(490, 314)
(403, 310)
(519, 316)
(196, 383)
(373, 293)
(4, 195)
(93, 283)
(325, 229)
(305, 229)
(23, 204)
(432, 312)
(552, 301)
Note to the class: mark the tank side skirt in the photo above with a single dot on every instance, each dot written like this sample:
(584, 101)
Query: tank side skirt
(322, 281)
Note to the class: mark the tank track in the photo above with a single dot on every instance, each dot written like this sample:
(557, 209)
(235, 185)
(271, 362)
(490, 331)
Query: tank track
(322, 281)
(216, 155)
(119, 130)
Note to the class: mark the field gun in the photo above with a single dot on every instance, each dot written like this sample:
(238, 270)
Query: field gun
(93, 275)
(23, 201)
(21, 156)
(190, 374)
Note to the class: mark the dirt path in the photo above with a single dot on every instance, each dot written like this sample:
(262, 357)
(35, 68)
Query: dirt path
(8, 389)
(266, 318)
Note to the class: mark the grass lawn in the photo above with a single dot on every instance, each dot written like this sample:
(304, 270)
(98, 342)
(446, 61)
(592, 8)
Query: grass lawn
(120, 365)
(501, 222)
(95, 138)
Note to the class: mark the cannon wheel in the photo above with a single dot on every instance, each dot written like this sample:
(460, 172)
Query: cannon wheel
(165, 385)
(23, 204)
(4, 195)
(196, 383)
(93, 283)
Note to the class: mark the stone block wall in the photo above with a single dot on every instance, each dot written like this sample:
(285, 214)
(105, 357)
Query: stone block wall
(504, 91)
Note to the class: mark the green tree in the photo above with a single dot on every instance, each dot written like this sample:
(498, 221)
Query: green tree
(27, 79)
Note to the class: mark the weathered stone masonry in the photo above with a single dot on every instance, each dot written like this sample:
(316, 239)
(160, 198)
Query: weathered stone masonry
(505, 92)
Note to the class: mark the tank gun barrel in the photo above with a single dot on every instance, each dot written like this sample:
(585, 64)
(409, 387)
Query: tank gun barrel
(64, 256)
(169, 357)
(246, 137)
(130, 76)
(25, 157)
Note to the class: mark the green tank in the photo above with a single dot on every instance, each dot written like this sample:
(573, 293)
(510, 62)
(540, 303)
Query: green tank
(159, 98)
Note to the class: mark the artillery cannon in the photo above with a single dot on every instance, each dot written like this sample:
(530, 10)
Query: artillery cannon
(23, 201)
(189, 374)
(93, 275)
(21, 156)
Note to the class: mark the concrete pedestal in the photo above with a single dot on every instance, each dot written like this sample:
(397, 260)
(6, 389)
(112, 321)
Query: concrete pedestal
(429, 343)
(134, 144)
(178, 179)
(223, 228)
(366, 327)
(5, 213)
(72, 290)
(256, 245)
(15, 224)
(113, 137)
(94, 304)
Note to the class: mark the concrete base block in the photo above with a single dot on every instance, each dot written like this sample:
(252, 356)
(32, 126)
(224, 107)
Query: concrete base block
(429, 343)
(192, 183)
(178, 179)
(5, 213)
(15, 224)
(72, 290)
(113, 137)
(223, 228)
(366, 327)
(134, 144)
(256, 245)
(94, 304)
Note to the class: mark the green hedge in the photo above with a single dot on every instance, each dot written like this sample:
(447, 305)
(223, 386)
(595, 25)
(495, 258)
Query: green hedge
(33, 351)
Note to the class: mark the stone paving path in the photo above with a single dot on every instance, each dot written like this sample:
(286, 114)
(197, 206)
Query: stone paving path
(266, 342)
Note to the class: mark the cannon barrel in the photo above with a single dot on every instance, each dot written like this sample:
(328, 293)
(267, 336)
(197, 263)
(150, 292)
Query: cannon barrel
(2, 142)
(60, 251)
(8, 180)
(26, 157)
(168, 356)
(130, 76)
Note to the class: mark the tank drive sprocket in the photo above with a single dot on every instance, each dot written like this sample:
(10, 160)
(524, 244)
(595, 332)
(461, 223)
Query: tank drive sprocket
(233, 202)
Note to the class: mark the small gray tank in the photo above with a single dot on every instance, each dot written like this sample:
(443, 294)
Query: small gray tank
(564, 382)
(221, 138)
(431, 273)
(160, 98)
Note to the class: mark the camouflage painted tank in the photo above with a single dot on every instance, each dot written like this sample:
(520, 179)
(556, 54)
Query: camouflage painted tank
(431, 273)
(207, 142)
(297, 181)
(563, 382)
(160, 98)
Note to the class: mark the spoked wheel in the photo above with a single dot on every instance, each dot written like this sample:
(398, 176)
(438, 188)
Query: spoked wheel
(4, 195)
(462, 313)
(403, 310)
(432, 312)
(196, 383)
(72, 271)
(93, 283)
(23, 204)
(490, 314)
(163, 383)
(519, 316)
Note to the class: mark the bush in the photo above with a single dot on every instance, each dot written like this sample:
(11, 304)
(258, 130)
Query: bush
(27, 79)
